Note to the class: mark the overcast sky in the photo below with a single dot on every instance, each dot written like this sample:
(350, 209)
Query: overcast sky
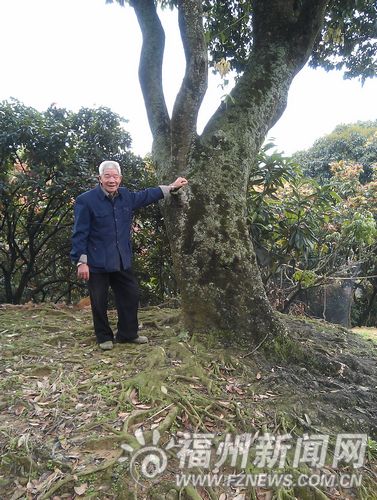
(85, 53)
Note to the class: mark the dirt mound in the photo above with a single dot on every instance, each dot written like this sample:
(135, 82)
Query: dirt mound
(69, 412)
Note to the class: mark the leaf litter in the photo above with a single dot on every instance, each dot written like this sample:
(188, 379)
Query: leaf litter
(65, 406)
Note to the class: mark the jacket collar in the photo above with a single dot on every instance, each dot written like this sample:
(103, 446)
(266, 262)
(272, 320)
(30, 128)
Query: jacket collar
(102, 194)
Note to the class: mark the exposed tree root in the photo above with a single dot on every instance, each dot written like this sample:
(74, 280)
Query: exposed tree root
(188, 406)
(123, 437)
(192, 493)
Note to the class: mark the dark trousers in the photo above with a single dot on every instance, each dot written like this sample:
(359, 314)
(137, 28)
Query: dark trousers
(126, 292)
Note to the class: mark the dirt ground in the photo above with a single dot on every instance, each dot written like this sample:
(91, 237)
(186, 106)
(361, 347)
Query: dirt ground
(76, 422)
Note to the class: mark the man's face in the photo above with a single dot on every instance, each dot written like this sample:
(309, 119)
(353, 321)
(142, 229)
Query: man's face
(110, 180)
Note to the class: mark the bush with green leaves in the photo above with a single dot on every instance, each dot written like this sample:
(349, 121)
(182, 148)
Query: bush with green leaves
(47, 159)
(305, 232)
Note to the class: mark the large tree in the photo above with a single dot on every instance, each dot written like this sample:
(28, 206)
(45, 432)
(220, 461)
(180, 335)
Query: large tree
(267, 42)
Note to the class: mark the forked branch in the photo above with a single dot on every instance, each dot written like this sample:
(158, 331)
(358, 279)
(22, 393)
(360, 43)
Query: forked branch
(194, 84)
(150, 67)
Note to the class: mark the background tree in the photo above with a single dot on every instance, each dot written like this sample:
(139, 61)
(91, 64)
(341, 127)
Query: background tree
(354, 142)
(46, 160)
(267, 42)
(310, 235)
(347, 158)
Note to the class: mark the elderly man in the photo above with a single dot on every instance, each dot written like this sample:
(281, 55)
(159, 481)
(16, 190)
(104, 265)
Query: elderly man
(101, 248)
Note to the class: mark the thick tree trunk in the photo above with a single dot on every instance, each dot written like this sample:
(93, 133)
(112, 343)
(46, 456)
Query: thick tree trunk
(212, 251)
(218, 275)
(7, 278)
(213, 256)
(369, 317)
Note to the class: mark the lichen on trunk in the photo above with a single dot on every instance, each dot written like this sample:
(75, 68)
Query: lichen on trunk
(218, 275)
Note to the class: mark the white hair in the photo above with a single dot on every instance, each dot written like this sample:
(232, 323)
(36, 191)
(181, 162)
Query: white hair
(106, 165)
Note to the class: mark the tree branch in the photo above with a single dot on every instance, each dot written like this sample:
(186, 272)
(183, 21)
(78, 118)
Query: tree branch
(194, 84)
(52, 260)
(284, 32)
(47, 283)
(150, 68)
(14, 249)
(45, 222)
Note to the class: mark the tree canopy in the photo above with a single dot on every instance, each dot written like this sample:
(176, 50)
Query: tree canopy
(346, 41)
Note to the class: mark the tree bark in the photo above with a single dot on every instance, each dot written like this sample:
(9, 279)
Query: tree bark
(369, 317)
(213, 256)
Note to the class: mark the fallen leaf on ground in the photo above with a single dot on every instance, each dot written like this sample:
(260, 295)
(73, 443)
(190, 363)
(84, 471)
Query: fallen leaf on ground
(134, 397)
(19, 409)
(233, 388)
(143, 406)
(80, 490)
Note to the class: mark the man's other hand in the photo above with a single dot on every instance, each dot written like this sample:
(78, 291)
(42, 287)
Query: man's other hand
(83, 272)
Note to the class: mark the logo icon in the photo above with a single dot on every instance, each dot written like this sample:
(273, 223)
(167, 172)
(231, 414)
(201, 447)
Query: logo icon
(147, 462)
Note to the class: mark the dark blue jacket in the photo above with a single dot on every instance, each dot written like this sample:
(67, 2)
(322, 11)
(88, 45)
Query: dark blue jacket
(102, 228)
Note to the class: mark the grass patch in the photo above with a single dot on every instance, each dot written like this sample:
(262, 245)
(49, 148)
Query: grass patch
(367, 332)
